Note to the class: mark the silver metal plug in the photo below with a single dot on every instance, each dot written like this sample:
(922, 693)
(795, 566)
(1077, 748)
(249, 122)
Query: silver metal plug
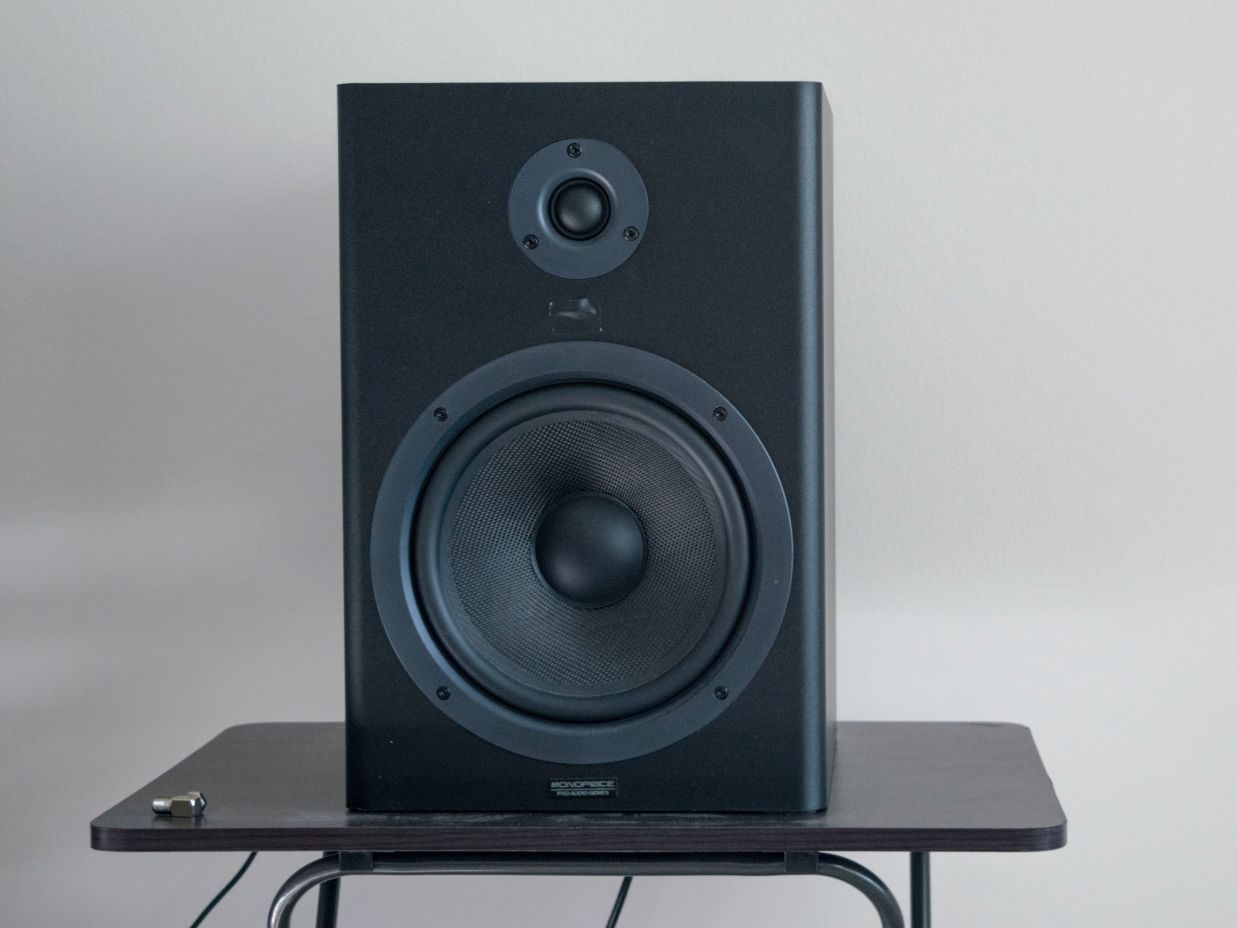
(190, 805)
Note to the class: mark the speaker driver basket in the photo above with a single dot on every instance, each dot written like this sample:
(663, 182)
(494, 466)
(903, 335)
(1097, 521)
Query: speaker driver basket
(619, 455)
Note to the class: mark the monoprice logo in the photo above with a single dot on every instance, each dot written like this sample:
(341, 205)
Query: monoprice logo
(579, 789)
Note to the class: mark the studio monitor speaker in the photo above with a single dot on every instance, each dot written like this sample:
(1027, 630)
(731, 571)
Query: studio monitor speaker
(587, 409)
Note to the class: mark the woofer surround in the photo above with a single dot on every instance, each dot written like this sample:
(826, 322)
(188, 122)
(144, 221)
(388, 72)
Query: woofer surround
(454, 562)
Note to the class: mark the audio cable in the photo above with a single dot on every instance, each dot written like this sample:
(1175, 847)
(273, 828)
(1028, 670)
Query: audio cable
(223, 892)
(618, 902)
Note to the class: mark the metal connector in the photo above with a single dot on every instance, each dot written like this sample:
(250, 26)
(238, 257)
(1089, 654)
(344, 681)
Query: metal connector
(189, 805)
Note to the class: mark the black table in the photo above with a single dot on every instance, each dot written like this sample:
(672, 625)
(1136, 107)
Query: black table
(917, 787)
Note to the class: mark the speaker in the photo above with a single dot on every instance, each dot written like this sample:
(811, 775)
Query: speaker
(587, 446)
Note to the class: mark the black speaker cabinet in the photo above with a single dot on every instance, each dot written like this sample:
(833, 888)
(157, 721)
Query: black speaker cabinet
(587, 395)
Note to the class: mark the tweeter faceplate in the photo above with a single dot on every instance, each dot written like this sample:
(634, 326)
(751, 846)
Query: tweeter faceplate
(593, 166)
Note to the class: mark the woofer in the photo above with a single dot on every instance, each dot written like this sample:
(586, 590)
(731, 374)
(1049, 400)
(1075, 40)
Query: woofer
(558, 674)
(649, 536)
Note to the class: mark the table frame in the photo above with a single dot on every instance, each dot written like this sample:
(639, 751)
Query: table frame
(327, 873)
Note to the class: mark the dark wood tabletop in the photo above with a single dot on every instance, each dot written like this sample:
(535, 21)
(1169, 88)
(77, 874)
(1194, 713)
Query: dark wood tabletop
(899, 786)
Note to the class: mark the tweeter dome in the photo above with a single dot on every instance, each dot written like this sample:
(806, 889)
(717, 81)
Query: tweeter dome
(579, 209)
(592, 542)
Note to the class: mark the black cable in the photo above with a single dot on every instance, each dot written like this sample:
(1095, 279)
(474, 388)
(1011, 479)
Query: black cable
(223, 892)
(618, 902)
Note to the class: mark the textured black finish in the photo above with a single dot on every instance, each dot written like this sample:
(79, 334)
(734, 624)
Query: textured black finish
(899, 786)
(731, 280)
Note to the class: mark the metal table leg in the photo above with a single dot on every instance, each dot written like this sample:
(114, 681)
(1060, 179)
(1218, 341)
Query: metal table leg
(921, 890)
(867, 882)
(331, 868)
(328, 898)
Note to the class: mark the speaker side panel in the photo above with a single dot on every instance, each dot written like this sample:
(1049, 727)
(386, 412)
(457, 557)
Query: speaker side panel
(727, 283)
(828, 568)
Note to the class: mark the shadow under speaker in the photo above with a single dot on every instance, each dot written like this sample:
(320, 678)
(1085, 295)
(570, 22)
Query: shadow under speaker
(587, 394)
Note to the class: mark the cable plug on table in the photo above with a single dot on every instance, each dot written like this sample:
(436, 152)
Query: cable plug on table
(189, 805)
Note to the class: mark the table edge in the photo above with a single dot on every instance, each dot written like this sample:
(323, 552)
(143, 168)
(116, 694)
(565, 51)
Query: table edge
(592, 838)
(433, 840)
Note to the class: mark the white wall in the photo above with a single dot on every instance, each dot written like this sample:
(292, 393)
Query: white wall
(1037, 418)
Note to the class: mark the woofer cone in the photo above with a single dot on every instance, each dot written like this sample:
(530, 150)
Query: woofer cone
(481, 581)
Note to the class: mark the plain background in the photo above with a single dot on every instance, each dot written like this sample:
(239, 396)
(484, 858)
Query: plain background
(1036, 394)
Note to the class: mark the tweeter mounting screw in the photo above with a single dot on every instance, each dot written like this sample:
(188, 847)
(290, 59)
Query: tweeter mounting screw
(573, 150)
(720, 415)
(531, 242)
(631, 233)
(443, 693)
(721, 692)
(440, 414)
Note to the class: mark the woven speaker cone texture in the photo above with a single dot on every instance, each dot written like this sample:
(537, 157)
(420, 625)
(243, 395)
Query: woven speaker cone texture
(494, 612)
